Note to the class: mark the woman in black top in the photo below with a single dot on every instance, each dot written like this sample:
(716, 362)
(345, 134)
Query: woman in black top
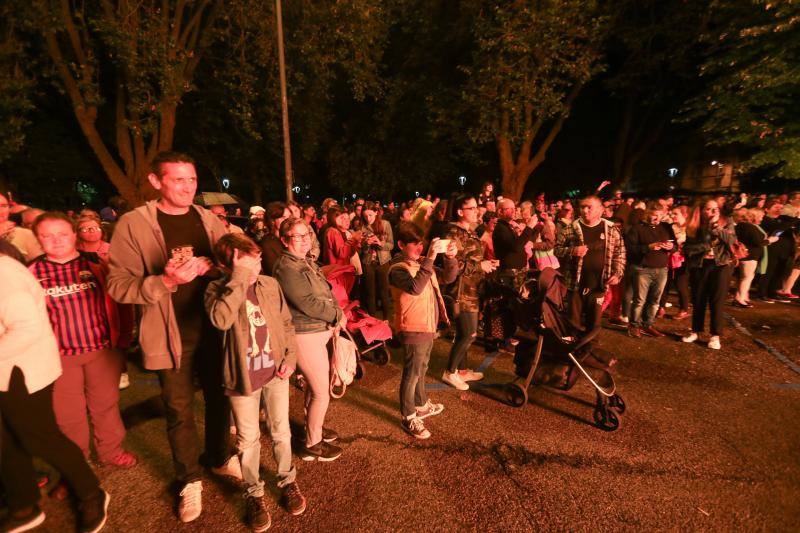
(709, 239)
(780, 253)
(756, 240)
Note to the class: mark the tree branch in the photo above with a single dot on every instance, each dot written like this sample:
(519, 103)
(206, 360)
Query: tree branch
(123, 133)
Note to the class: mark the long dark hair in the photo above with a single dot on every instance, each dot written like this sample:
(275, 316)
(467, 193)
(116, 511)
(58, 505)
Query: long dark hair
(377, 225)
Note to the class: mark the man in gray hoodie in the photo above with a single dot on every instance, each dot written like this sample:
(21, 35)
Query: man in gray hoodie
(160, 259)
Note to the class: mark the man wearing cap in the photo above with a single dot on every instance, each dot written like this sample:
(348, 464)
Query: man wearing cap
(257, 212)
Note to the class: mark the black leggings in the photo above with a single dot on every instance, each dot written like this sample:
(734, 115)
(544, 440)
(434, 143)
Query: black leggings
(466, 323)
(710, 284)
(29, 428)
(678, 278)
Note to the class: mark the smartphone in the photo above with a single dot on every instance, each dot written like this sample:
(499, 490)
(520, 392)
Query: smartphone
(180, 254)
(778, 233)
(442, 245)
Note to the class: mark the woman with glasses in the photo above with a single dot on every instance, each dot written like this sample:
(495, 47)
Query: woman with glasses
(90, 237)
(472, 267)
(709, 258)
(315, 314)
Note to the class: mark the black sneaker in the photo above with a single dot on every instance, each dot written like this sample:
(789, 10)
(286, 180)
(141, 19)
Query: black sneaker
(94, 513)
(25, 520)
(416, 428)
(321, 451)
(293, 499)
(258, 518)
(329, 435)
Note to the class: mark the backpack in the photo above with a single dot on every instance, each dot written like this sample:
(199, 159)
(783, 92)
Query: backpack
(344, 362)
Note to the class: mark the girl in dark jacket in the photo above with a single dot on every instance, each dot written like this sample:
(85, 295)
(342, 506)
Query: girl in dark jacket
(709, 239)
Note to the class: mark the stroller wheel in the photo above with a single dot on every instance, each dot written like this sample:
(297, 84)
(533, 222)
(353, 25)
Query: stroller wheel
(517, 396)
(360, 370)
(382, 357)
(617, 403)
(606, 419)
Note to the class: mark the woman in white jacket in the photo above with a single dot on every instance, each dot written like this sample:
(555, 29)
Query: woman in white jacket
(29, 364)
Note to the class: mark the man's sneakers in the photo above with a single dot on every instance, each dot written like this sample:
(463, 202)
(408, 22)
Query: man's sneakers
(293, 499)
(713, 343)
(231, 468)
(691, 337)
(635, 332)
(191, 504)
(123, 459)
(321, 451)
(454, 380)
(25, 520)
(94, 512)
(470, 375)
(257, 516)
(429, 409)
(124, 381)
(416, 428)
(621, 321)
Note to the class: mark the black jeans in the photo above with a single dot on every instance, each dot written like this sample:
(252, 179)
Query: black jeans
(412, 382)
(466, 323)
(29, 428)
(178, 390)
(779, 266)
(376, 286)
(710, 284)
(585, 308)
(679, 278)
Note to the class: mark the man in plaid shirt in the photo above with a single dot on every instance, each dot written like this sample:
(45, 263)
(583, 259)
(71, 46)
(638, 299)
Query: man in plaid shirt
(592, 255)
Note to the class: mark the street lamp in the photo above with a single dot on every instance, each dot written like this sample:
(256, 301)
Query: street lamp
(462, 180)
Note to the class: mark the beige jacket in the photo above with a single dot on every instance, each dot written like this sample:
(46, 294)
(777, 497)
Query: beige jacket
(136, 264)
(26, 337)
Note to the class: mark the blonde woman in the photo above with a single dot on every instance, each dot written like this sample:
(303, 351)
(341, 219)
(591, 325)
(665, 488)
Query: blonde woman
(749, 233)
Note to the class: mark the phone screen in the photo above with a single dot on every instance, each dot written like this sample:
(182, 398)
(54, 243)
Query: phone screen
(181, 254)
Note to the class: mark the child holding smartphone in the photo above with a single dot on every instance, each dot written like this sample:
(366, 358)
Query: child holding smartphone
(260, 355)
(418, 308)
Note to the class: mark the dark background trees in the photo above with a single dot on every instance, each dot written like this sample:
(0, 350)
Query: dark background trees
(391, 97)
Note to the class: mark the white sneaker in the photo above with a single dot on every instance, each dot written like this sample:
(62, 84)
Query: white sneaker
(124, 381)
(191, 504)
(691, 337)
(624, 319)
(454, 380)
(714, 343)
(231, 468)
(470, 375)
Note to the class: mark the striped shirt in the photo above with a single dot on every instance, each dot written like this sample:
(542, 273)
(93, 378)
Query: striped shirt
(75, 304)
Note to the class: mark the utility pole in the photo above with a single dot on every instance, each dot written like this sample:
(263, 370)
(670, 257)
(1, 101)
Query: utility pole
(287, 148)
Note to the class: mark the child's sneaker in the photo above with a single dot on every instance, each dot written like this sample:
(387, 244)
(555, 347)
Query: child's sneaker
(416, 428)
(429, 409)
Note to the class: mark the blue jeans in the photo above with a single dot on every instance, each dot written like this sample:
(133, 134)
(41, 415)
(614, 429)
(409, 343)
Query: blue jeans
(412, 383)
(248, 436)
(648, 284)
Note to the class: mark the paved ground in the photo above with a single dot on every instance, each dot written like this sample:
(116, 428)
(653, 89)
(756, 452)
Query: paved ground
(709, 442)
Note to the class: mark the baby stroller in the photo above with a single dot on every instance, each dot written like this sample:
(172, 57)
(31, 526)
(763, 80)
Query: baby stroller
(554, 354)
(367, 332)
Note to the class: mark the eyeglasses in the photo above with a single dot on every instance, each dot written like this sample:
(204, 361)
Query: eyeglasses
(89, 230)
(300, 236)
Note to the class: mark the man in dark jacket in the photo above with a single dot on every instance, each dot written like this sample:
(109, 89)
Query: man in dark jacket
(649, 244)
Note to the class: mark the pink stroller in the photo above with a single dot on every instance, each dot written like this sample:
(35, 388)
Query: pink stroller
(367, 332)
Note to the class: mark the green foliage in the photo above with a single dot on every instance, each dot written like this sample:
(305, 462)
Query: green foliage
(16, 87)
(752, 73)
(526, 58)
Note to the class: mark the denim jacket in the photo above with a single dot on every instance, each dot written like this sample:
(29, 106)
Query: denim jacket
(718, 239)
(311, 301)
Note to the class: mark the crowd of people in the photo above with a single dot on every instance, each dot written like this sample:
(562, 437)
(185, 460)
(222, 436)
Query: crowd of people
(238, 309)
